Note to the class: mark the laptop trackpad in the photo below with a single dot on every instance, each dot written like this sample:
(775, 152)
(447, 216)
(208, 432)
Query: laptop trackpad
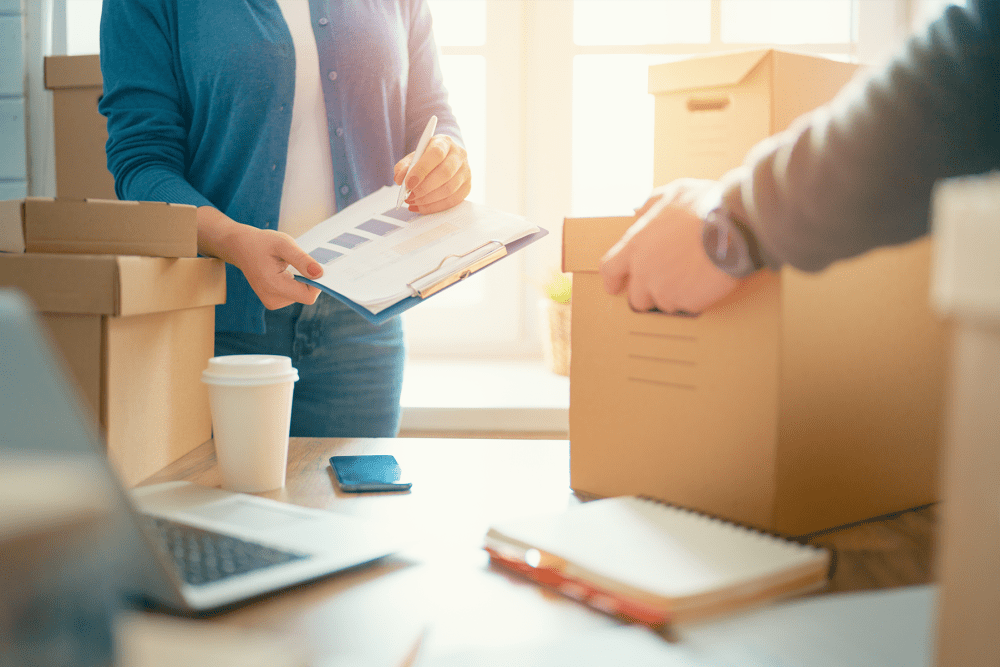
(246, 515)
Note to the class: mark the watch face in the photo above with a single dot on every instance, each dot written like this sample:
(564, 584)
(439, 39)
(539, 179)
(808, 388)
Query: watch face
(726, 246)
(718, 245)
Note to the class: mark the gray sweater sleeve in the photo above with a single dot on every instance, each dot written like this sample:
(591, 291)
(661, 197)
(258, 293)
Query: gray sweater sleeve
(858, 172)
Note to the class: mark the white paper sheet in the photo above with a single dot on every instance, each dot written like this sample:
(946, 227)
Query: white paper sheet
(372, 252)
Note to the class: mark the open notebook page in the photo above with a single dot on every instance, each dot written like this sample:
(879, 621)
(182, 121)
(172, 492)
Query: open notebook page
(658, 548)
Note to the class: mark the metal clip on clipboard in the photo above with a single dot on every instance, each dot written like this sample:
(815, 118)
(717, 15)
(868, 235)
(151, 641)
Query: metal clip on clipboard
(459, 274)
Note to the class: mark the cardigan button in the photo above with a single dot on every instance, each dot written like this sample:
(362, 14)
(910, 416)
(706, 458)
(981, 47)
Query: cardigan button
(324, 21)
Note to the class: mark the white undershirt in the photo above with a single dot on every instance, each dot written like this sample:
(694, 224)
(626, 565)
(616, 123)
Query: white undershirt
(308, 195)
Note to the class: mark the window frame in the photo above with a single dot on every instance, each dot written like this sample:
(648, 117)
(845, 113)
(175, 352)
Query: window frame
(528, 141)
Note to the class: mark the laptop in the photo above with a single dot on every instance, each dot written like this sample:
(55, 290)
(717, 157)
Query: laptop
(178, 546)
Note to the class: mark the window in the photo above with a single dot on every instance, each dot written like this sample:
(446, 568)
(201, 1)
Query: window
(575, 72)
(551, 96)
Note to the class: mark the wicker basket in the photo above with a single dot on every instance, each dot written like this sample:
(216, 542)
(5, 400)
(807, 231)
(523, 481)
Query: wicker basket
(556, 319)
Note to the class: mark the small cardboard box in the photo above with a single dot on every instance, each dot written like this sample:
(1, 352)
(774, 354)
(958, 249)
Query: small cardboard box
(800, 403)
(710, 111)
(136, 333)
(81, 132)
(98, 227)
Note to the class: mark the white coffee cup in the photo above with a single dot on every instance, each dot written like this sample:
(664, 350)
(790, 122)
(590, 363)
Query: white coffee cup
(251, 402)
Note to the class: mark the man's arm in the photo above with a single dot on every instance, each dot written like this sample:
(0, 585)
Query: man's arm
(858, 172)
(853, 175)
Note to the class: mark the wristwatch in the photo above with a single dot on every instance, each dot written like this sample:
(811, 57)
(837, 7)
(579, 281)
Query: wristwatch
(730, 244)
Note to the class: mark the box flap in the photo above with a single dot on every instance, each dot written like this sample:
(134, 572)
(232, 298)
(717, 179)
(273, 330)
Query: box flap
(725, 69)
(12, 225)
(585, 240)
(112, 284)
(154, 284)
(64, 283)
(106, 227)
(73, 72)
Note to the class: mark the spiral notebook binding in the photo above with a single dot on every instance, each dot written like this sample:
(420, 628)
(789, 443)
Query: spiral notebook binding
(792, 539)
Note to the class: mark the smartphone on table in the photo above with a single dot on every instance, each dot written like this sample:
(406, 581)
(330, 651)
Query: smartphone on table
(368, 472)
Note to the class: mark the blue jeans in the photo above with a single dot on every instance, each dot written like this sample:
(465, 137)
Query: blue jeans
(350, 371)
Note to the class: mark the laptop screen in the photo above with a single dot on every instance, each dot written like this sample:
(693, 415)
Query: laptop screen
(42, 417)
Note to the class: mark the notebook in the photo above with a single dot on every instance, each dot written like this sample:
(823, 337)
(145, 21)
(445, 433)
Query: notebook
(177, 545)
(654, 563)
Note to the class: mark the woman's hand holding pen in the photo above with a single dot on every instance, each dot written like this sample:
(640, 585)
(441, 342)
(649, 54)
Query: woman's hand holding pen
(439, 180)
(263, 255)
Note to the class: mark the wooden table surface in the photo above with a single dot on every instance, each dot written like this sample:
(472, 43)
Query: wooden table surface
(443, 581)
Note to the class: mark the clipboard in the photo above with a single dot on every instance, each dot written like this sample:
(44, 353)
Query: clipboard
(424, 292)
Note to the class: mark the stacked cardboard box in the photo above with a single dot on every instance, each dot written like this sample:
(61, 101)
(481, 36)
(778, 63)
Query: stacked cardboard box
(81, 132)
(120, 286)
(800, 403)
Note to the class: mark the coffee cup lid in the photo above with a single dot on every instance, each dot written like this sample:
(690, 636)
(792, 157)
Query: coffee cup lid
(249, 369)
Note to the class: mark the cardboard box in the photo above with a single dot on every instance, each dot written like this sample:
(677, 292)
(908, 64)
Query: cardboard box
(81, 132)
(710, 111)
(967, 289)
(800, 403)
(136, 333)
(98, 227)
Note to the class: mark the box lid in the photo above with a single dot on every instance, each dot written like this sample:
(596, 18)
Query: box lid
(585, 240)
(117, 285)
(107, 227)
(725, 69)
(73, 72)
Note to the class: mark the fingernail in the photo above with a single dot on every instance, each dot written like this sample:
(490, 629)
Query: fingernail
(314, 270)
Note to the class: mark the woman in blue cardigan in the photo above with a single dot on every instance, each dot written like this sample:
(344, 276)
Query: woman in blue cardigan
(270, 116)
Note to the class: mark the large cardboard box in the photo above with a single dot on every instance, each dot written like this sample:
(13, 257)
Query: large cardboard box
(101, 227)
(81, 132)
(136, 333)
(800, 403)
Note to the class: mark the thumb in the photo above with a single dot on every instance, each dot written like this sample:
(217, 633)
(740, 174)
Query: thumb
(614, 270)
(301, 261)
(399, 171)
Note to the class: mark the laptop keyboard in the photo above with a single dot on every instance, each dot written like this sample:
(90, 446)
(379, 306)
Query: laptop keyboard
(202, 556)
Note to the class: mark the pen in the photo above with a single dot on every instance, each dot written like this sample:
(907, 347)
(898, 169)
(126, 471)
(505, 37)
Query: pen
(421, 146)
(411, 656)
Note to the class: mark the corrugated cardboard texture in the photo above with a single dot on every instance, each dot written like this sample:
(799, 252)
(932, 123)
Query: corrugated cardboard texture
(863, 368)
(80, 340)
(683, 409)
(114, 284)
(135, 332)
(968, 570)
(98, 226)
(172, 416)
(81, 132)
(704, 129)
(967, 289)
(799, 403)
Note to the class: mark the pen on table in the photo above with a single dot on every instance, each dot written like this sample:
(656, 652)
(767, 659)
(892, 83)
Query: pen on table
(421, 146)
